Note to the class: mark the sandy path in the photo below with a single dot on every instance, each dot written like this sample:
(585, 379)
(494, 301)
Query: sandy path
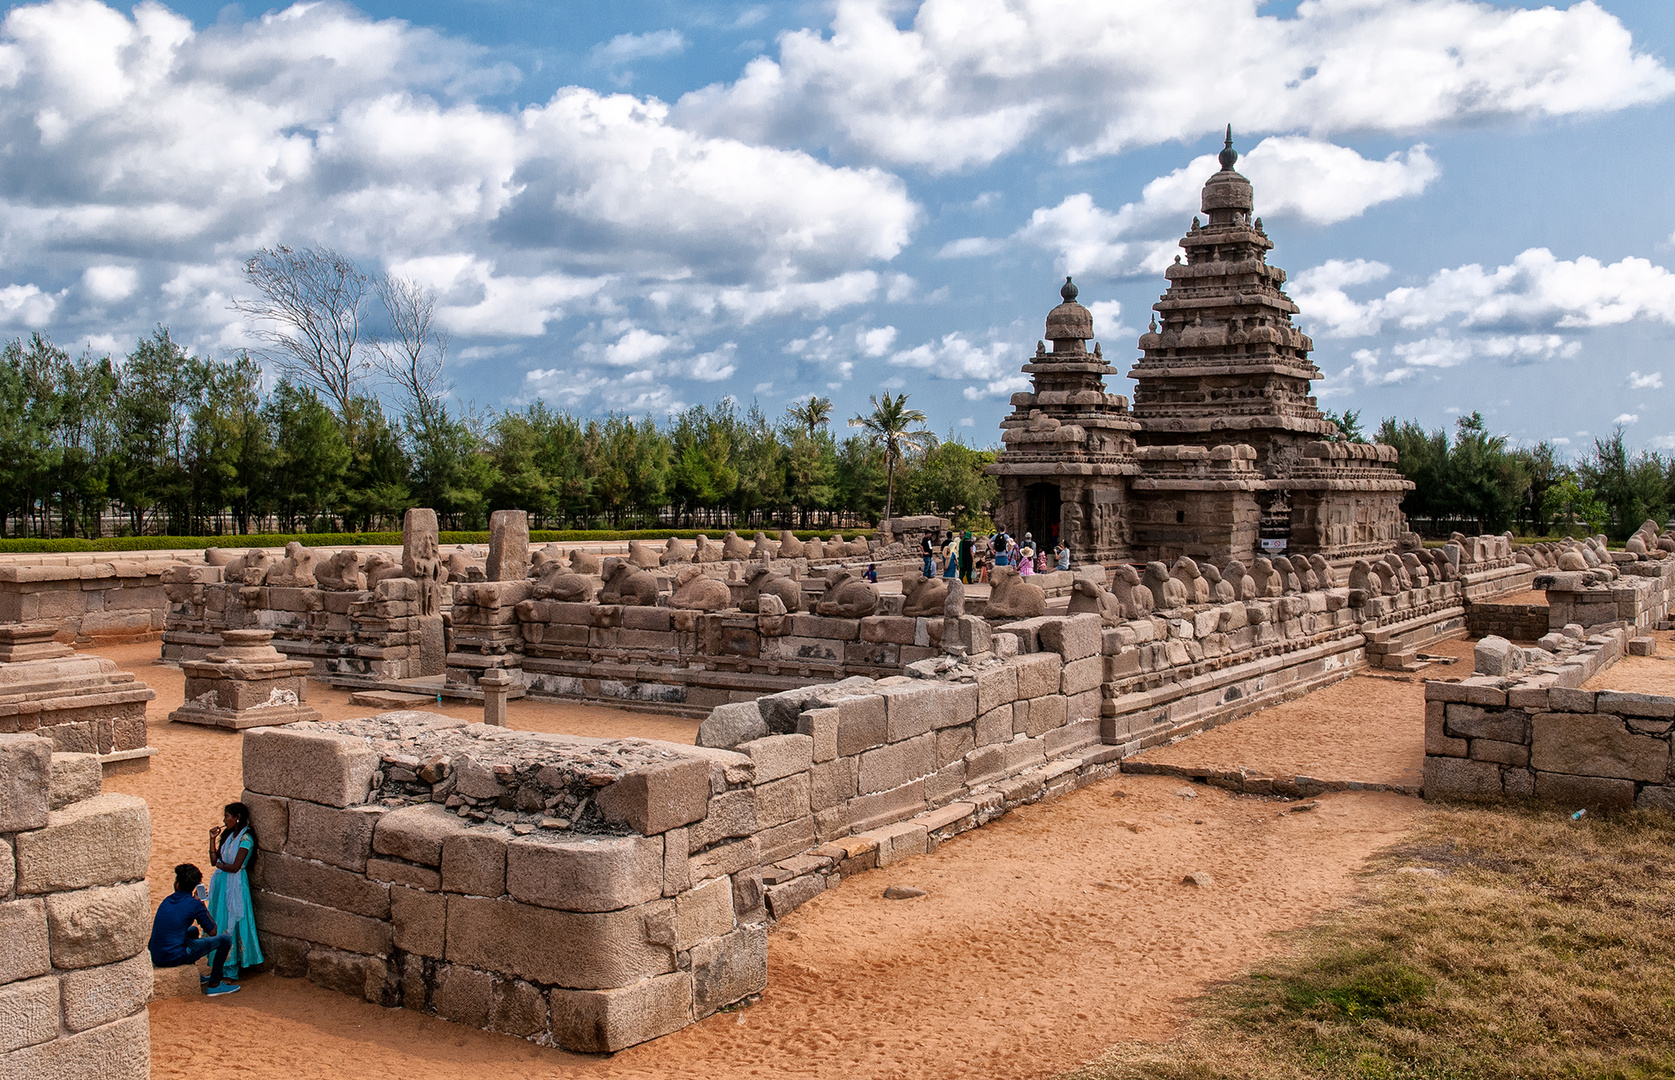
(1641, 674)
(1046, 936)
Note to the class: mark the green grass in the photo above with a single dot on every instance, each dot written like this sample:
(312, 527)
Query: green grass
(537, 536)
(1526, 946)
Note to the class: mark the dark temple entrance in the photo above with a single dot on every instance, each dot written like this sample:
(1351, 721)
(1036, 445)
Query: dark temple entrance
(1041, 514)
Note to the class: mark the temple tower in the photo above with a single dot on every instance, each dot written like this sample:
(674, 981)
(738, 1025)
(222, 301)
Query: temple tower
(1069, 444)
(1223, 366)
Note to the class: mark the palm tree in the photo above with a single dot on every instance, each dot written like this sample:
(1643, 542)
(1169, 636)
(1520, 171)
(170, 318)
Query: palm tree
(811, 415)
(890, 423)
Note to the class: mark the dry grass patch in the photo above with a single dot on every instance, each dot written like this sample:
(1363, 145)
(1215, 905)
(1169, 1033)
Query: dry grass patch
(1498, 942)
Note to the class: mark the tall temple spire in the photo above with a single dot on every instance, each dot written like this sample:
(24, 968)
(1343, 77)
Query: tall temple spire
(1229, 156)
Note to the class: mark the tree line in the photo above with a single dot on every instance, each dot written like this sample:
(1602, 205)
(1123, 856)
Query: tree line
(167, 442)
(1476, 482)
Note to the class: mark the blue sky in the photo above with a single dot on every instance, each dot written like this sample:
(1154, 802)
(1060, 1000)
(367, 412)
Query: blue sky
(641, 207)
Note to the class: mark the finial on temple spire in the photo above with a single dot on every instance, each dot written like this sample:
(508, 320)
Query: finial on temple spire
(1229, 156)
(1069, 291)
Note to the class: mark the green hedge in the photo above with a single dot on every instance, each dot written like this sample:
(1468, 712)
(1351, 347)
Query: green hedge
(538, 536)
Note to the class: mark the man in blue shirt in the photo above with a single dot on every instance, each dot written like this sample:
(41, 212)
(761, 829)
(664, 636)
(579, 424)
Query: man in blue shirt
(175, 941)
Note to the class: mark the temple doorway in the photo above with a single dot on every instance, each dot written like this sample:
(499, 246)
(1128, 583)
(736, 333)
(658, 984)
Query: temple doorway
(1041, 514)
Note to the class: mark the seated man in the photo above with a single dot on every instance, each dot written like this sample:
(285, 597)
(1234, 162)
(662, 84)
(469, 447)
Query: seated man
(175, 942)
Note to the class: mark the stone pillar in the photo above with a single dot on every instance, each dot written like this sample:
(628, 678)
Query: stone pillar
(496, 684)
(508, 545)
(421, 560)
(245, 683)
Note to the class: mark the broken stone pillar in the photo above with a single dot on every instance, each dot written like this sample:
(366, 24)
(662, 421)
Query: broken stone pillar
(246, 683)
(421, 560)
(508, 545)
(496, 685)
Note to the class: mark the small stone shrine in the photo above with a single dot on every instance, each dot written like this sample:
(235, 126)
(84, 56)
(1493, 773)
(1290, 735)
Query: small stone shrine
(245, 683)
(84, 704)
(1224, 454)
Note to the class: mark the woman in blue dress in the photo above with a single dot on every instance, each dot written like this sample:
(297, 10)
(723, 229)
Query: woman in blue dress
(232, 848)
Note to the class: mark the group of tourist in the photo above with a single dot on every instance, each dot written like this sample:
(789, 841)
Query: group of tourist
(193, 922)
(970, 559)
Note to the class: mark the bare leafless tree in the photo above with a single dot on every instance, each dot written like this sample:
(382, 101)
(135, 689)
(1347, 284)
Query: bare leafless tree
(414, 352)
(309, 316)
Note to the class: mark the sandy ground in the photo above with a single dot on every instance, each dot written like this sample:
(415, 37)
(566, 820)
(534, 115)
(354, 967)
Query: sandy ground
(1047, 935)
(1641, 674)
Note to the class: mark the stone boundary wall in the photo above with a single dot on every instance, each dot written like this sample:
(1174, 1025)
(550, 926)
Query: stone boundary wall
(1638, 596)
(1541, 736)
(1515, 622)
(75, 914)
(93, 600)
(560, 889)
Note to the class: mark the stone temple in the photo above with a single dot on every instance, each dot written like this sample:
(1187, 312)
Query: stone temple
(1223, 454)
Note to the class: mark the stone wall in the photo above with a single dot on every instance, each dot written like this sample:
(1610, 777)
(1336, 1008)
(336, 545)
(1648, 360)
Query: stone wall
(75, 914)
(91, 597)
(1537, 734)
(559, 889)
(1637, 596)
(1515, 622)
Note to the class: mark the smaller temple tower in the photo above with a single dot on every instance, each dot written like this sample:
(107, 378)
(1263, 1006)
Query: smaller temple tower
(1069, 444)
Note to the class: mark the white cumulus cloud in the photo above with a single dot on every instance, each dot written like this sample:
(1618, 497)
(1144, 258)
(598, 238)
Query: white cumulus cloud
(1637, 381)
(953, 84)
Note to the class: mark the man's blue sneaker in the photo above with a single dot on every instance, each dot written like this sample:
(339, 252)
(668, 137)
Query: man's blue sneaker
(222, 988)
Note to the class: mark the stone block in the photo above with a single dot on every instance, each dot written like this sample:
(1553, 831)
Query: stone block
(729, 725)
(1502, 753)
(1080, 676)
(177, 982)
(584, 873)
(995, 726)
(462, 994)
(29, 1013)
(783, 841)
(416, 833)
(896, 764)
(340, 837)
(605, 1021)
(1585, 792)
(731, 814)
(115, 1051)
(517, 1007)
(911, 710)
(783, 800)
(779, 756)
(419, 920)
(1461, 778)
(347, 973)
(1567, 699)
(1037, 716)
(1074, 638)
(588, 951)
(310, 764)
(24, 949)
(788, 896)
(728, 858)
(270, 819)
(1649, 706)
(98, 841)
(1038, 674)
(74, 777)
(299, 919)
(862, 724)
(317, 883)
(821, 725)
(1473, 722)
(474, 861)
(392, 872)
(101, 995)
(1437, 740)
(729, 969)
(832, 782)
(953, 744)
(1595, 744)
(96, 926)
(25, 781)
(1656, 797)
(656, 798)
(677, 850)
(703, 912)
(997, 687)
